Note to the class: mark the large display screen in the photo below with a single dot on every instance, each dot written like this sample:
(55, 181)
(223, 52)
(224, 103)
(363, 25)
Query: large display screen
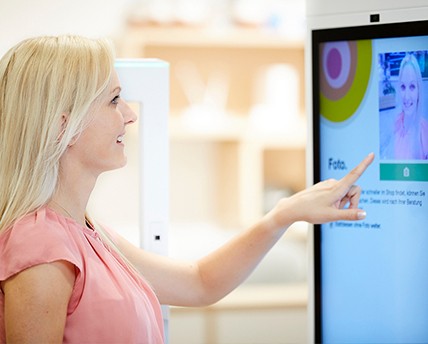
(370, 94)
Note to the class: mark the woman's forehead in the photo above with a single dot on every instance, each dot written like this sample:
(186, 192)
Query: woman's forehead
(114, 82)
(408, 71)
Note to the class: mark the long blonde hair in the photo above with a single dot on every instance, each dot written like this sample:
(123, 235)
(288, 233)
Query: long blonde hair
(41, 79)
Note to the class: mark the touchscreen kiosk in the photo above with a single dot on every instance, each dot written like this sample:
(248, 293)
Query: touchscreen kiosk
(370, 94)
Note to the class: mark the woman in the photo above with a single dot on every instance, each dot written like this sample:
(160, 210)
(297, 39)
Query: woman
(65, 279)
(410, 128)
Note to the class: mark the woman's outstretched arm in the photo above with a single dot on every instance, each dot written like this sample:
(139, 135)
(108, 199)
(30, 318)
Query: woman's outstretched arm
(212, 277)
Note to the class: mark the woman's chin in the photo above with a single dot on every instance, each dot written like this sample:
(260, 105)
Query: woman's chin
(117, 165)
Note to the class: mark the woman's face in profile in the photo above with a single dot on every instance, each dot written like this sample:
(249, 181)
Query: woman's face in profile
(100, 146)
(409, 90)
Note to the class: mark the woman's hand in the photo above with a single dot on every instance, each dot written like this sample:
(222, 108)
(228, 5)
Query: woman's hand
(324, 202)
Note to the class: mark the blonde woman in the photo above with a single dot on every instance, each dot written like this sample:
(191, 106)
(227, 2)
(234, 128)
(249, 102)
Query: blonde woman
(410, 128)
(62, 278)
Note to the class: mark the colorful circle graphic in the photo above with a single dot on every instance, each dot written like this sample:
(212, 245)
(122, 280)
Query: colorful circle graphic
(345, 72)
(337, 64)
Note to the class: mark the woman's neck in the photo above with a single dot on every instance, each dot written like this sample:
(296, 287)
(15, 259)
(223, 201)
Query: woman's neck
(75, 184)
(72, 195)
(410, 122)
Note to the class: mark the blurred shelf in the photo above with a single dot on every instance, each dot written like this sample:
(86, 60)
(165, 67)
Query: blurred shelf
(250, 314)
(259, 296)
(268, 296)
(205, 37)
(238, 129)
(222, 162)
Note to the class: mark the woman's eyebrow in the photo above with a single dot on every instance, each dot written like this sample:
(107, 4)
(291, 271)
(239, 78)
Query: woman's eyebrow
(118, 88)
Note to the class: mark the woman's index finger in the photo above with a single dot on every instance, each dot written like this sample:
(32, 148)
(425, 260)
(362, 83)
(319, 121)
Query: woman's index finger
(357, 171)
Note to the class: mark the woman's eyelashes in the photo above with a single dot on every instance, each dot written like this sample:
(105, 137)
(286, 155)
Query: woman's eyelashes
(115, 100)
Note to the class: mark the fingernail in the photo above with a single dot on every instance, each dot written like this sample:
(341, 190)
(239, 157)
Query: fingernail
(361, 215)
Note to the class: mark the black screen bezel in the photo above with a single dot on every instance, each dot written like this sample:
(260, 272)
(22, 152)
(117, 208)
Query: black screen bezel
(373, 31)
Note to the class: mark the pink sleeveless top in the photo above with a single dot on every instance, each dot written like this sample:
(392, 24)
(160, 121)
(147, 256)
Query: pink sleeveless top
(109, 303)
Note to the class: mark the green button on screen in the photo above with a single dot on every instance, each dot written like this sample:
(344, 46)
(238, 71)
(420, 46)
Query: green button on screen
(405, 172)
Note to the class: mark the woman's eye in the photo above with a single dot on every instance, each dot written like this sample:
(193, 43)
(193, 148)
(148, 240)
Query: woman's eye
(115, 100)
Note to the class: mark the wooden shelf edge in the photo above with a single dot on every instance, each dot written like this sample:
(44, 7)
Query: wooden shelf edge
(232, 38)
(238, 130)
(258, 296)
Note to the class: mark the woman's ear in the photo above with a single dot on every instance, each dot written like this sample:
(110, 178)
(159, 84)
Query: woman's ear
(63, 126)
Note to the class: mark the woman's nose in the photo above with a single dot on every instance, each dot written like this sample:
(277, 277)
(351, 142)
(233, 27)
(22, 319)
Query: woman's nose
(128, 114)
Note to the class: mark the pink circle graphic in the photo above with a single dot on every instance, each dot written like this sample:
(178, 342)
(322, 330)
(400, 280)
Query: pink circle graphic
(334, 63)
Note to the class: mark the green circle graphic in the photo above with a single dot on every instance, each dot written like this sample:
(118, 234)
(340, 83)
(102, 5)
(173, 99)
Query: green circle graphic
(343, 108)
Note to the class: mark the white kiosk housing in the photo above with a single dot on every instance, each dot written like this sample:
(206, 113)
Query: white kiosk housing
(368, 280)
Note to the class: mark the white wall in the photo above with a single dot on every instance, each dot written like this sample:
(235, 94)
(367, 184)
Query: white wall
(21, 19)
